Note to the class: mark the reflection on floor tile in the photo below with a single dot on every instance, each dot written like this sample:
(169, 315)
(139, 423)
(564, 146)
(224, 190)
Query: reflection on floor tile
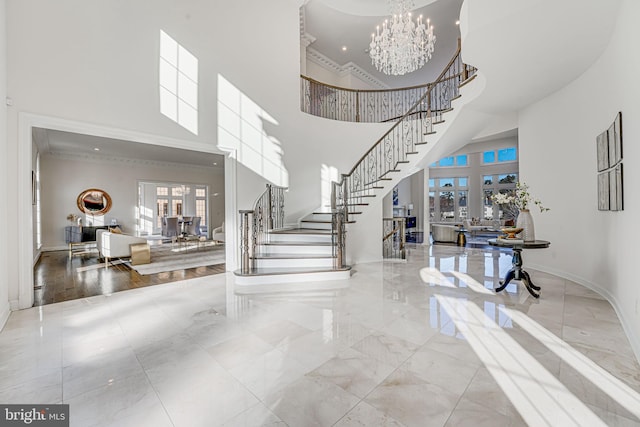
(396, 345)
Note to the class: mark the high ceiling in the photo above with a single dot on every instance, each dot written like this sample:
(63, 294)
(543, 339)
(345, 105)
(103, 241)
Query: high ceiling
(68, 143)
(350, 23)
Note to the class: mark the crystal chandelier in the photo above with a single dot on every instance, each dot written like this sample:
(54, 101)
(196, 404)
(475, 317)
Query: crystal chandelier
(402, 46)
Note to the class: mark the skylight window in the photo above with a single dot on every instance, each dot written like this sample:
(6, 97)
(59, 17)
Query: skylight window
(178, 83)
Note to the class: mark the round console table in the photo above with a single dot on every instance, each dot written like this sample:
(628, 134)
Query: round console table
(517, 272)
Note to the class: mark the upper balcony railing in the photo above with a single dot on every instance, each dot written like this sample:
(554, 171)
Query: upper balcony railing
(369, 106)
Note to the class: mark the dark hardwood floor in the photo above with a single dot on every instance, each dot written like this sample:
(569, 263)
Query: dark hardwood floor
(58, 278)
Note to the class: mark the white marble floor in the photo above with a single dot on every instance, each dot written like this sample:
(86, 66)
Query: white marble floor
(422, 343)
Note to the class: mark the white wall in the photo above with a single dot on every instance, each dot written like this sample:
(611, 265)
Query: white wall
(108, 76)
(4, 170)
(558, 160)
(63, 178)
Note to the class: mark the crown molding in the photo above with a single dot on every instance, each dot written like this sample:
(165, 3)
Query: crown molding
(125, 161)
(306, 39)
(342, 70)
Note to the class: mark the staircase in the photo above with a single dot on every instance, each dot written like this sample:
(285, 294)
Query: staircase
(314, 251)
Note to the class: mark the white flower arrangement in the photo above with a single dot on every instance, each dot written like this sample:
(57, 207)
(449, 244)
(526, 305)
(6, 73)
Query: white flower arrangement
(518, 200)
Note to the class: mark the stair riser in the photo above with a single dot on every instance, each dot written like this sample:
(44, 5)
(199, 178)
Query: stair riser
(319, 216)
(296, 249)
(316, 225)
(294, 263)
(306, 238)
(291, 278)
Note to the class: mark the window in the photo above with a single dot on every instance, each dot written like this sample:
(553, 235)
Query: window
(461, 160)
(451, 203)
(489, 157)
(201, 205)
(503, 155)
(447, 161)
(507, 155)
(493, 184)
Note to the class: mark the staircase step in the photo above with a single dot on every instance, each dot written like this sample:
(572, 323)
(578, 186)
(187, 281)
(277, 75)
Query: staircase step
(307, 235)
(318, 224)
(266, 276)
(287, 247)
(294, 261)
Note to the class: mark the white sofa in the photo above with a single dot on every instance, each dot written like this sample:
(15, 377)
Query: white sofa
(115, 245)
(444, 233)
(217, 234)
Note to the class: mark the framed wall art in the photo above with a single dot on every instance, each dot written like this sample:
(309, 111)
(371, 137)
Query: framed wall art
(602, 149)
(609, 157)
(603, 191)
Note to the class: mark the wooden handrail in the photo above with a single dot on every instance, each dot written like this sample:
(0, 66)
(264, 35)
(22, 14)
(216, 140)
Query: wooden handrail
(430, 86)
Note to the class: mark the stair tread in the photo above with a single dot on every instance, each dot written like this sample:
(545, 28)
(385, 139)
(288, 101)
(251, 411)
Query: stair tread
(296, 244)
(301, 231)
(293, 256)
(329, 213)
(323, 221)
(290, 270)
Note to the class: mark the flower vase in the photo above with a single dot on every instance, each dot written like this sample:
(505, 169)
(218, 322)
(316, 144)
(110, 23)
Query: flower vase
(525, 221)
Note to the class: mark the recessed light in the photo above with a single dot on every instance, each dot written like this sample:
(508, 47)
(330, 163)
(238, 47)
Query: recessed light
(458, 22)
(96, 149)
(344, 48)
(215, 164)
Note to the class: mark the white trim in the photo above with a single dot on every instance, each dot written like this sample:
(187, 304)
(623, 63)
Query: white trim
(4, 315)
(348, 68)
(231, 230)
(26, 123)
(55, 248)
(37, 257)
(629, 328)
(96, 158)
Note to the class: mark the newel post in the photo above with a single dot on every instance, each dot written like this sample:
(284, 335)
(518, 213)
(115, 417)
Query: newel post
(245, 255)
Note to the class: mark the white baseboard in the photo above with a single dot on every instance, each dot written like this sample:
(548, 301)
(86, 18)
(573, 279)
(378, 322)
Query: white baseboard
(54, 248)
(4, 315)
(628, 327)
(37, 257)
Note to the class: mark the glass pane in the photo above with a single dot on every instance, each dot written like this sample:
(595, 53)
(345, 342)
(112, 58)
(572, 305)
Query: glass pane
(463, 182)
(176, 191)
(200, 192)
(446, 182)
(489, 157)
(432, 183)
(507, 178)
(507, 155)
(162, 191)
(487, 204)
(504, 211)
(488, 180)
(447, 212)
(432, 204)
(462, 205)
(433, 165)
(462, 160)
(447, 161)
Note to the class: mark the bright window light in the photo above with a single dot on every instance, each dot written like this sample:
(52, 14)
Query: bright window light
(241, 132)
(539, 397)
(178, 78)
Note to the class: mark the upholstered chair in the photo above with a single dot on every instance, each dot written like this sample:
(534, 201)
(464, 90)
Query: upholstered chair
(193, 228)
(171, 227)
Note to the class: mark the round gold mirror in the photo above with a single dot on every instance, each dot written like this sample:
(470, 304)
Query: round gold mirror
(94, 201)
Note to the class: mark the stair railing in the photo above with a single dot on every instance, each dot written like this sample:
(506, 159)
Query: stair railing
(267, 215)
(402, 139)
(394, 238)
(356, 105)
